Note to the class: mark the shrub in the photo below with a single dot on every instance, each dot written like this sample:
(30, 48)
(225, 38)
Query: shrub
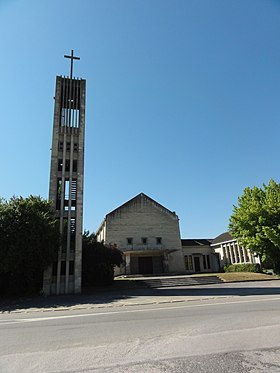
(242, 267)
(99, 261)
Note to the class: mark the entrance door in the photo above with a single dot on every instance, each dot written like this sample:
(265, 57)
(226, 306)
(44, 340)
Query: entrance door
(145, 265)
(197, 264)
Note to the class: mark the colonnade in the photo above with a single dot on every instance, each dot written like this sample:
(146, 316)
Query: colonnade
(234, 254)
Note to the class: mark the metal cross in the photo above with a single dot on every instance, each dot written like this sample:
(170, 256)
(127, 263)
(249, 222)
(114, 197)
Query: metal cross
(71, 64)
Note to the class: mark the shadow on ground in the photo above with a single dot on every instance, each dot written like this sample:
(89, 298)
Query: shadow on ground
(126, 290)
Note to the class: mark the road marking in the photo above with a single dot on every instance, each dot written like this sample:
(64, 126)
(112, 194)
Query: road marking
(18, 321)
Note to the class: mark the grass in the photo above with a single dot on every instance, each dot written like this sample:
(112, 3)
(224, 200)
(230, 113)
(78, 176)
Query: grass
(245, 276)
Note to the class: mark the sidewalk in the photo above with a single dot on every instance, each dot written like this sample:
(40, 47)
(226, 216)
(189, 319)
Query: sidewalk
(126, 291)
(143, 291)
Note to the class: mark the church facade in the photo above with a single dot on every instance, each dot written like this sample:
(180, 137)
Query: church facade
(149, 235)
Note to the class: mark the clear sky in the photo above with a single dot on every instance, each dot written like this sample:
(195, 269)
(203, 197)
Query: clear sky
(183, 101)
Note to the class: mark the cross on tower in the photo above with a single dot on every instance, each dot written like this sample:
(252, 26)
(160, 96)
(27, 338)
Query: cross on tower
(71, 64)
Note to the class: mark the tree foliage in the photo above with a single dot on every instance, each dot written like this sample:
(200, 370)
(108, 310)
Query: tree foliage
(29, 240)
(255, 222)
(99, 261)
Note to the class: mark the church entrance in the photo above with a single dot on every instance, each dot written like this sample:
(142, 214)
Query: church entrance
(197, 264)
(145, 265)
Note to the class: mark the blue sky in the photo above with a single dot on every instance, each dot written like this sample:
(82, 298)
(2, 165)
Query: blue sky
(182, 101)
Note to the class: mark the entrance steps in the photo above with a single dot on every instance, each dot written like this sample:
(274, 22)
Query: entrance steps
(180, 281)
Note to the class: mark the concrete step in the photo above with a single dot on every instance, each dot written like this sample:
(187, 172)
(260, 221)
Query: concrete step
(184, 281)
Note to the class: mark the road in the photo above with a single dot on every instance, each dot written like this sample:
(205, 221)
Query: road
(223, 333)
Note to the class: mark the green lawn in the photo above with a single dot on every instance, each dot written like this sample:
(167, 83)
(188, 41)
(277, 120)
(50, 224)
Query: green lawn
(245, 276)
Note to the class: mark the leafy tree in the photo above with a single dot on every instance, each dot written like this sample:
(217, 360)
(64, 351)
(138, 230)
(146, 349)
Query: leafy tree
(29, 240)
(99, 261)
(255, 222)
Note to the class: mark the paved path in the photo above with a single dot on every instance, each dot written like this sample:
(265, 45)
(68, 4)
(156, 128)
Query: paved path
(122, 297)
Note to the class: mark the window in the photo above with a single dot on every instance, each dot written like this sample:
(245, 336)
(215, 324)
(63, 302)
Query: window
(68, 146)
(75, 146)
(67, 165)
(58, 193)
(159, 240)
(71, 267)
(129, 240)
(206, 261)
(72, 234)
(188, 263)
(144, 240)
(60, 165)
(60, 145)
(63, 268)
(75, 162)
(54, 269)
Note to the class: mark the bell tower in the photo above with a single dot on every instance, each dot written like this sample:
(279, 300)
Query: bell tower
(67, 182)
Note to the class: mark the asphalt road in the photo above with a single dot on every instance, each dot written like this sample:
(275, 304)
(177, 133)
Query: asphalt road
(231, 332)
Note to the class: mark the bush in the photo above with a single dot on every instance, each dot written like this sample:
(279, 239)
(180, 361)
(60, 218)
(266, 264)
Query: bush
(99, 261)
(29, 240)
(242, 268)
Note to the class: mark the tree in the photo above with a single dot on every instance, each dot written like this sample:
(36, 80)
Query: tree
(99, 261)
(255, 222)
(29, 240)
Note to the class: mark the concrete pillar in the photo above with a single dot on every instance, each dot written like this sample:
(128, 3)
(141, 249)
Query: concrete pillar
(230, 253)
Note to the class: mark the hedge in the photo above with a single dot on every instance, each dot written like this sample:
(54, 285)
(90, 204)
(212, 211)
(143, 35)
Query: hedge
(242, 268)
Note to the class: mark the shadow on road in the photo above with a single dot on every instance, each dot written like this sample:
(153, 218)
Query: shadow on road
(113, 294)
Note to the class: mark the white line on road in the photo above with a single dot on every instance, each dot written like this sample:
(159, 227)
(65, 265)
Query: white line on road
(17, 321)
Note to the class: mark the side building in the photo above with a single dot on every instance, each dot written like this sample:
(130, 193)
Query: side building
(200, 256)
(147, 233)
(230, 252)
(66, 183)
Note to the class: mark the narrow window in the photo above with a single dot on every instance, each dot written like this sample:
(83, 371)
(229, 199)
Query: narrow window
(59, 165)
(204, 262)
(54, 269)
(68, 146)
(71, 267)
(60, 145)
(75, 163)
(63, 268)
(64, 235)
(159, 240)
(144, 240)
(67, 165)
(67, 190)
(75, 146)
(208, 261)
(58, 194)
(188, 263)
(72, 234)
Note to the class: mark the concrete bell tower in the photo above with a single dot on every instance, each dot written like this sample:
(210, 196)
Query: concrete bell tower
(67, 182)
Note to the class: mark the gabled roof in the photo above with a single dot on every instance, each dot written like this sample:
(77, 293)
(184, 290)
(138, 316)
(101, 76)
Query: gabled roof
(142, 197)
(224, 237)
(196, 242)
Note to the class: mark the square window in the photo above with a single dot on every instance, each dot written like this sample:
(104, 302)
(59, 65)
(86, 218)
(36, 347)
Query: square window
(129, 240)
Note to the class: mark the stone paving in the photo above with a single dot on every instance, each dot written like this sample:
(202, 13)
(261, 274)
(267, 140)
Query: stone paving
(125, 292)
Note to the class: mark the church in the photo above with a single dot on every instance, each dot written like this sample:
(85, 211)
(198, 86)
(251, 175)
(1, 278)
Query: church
(149, 235)
(147, 232)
